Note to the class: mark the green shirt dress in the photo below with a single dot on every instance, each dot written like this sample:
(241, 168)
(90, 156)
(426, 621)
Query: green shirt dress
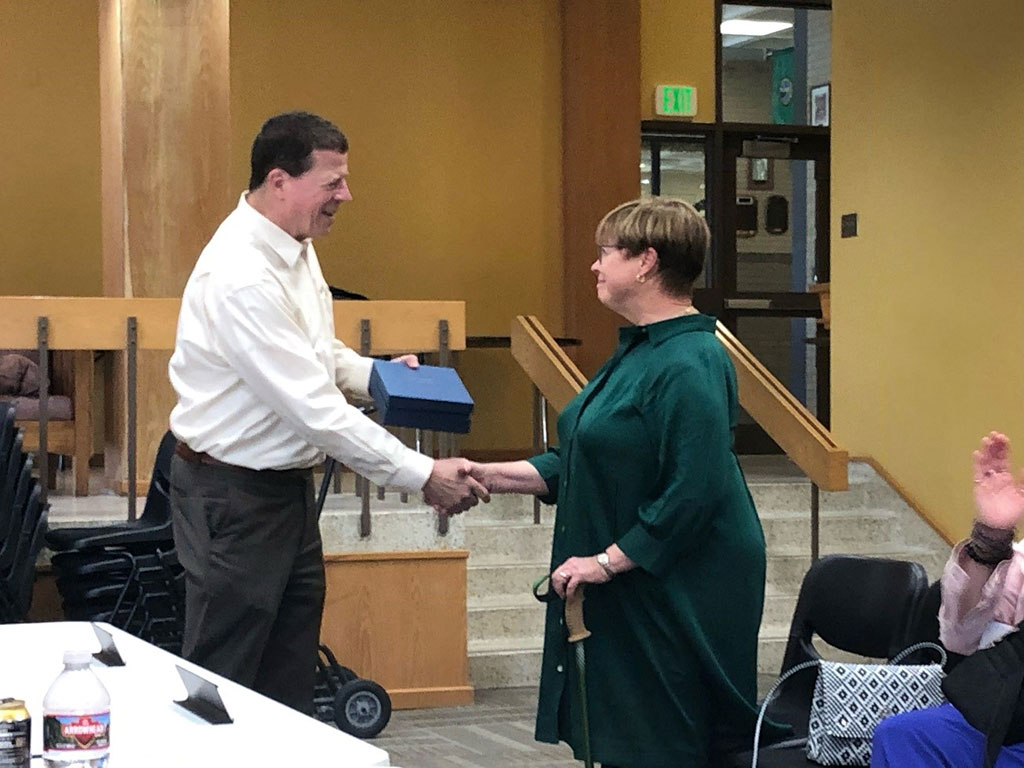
(645, 460)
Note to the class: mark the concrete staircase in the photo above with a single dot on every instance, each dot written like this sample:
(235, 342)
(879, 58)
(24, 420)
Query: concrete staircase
(508, 552)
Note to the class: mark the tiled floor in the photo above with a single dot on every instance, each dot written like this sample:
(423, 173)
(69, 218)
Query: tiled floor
(495, 732)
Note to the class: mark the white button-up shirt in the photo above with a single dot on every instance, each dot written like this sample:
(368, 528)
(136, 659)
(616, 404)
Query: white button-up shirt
(258, 372)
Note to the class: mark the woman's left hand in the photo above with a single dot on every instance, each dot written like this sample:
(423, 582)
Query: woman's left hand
(567, 577)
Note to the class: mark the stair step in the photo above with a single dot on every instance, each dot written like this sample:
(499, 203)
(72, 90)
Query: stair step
(490, 543)
(511, 509)
(500, 617)
(796, 496)
(778, 608)
(837, 529)
(507, 663)
(502, 578)
(786, 568)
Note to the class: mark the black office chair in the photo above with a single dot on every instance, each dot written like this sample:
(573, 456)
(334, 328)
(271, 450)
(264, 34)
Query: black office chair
(924, 620)
(9, 480)
(122, 574)
(16, 588)
(7, 432)
(153, 528)
(861, 605)
(13, 502)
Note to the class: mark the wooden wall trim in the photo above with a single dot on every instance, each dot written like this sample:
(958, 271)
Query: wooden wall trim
(429, 554)
(908, 498)
(99, 323)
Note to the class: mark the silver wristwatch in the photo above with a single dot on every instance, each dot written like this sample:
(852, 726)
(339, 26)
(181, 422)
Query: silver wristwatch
(604, 562)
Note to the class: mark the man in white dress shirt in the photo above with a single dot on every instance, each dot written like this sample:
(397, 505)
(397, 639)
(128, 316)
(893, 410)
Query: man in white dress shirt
(261, 384)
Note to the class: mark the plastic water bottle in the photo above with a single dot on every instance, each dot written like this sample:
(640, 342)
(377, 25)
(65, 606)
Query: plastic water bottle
(76, 716)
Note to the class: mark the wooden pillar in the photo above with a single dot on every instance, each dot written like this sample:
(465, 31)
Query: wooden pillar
(600, 152)
(165, 128)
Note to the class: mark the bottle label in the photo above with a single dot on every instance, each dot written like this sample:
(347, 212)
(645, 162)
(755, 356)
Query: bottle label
(68, 733)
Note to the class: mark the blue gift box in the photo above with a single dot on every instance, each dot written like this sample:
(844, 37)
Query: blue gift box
(429, 397)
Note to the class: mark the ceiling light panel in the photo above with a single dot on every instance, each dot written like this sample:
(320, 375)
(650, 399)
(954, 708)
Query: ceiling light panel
(752, 28)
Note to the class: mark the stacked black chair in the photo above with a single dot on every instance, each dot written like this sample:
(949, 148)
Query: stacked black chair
(126, 574)
(7, 432)
(23, 521)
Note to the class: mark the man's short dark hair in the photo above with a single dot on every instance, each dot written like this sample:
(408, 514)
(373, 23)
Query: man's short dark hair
(287, 141)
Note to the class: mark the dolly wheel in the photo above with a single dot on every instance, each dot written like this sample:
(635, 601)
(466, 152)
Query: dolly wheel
(362, 708)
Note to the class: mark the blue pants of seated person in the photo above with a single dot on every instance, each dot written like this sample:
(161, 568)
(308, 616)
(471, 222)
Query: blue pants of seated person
(938, 737)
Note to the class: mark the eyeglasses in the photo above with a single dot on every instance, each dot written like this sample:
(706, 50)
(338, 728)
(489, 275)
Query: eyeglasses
(601, 250)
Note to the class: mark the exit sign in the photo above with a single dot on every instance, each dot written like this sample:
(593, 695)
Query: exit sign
(675, 100)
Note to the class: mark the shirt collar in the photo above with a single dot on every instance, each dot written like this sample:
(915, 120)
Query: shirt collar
(283, 244)
(666, 329)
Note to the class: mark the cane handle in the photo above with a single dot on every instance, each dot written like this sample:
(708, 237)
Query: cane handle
(574, 617)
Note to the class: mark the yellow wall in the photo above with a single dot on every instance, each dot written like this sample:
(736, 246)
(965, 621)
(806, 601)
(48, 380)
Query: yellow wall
(50, 148)
(677, 39)
(927, 310)
(452, 111)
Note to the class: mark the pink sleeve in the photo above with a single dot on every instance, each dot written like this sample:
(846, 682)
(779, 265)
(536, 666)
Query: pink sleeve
(972, 594)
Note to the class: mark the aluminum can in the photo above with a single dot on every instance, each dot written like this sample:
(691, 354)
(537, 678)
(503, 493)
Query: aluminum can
(15, 734)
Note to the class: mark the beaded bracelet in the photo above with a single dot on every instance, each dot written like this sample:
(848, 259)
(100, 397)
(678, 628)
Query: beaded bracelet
(988, 545)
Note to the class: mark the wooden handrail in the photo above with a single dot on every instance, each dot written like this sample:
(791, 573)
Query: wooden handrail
(801, 436)
(99, 323)
(547, 365)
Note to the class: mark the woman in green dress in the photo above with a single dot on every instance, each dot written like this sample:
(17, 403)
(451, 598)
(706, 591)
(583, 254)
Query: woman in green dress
(654, 516)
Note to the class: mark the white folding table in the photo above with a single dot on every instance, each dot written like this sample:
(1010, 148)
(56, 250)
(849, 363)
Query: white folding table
(148, 729)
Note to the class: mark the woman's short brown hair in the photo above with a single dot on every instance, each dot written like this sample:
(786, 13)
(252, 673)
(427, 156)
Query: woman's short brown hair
(672, 227)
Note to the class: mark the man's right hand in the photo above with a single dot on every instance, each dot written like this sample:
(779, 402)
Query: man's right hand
(450, 487)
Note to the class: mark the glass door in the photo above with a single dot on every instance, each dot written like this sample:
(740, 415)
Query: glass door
(677, 166)
(775, 246)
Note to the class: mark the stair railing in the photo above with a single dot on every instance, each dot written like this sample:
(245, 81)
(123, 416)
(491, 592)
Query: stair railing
(556, 380)
(129, 327)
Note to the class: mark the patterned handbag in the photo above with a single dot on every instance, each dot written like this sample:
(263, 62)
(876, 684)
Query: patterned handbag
(851, 699)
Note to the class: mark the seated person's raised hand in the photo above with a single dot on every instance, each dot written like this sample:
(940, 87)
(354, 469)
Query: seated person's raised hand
(998, 495)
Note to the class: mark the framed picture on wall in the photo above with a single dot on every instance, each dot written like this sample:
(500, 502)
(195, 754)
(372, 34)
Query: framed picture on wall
(820, 104)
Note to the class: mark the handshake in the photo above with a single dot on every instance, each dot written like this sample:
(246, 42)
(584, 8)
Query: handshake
(455, 485)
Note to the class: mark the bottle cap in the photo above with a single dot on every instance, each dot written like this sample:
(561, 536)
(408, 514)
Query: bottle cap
(77, 658)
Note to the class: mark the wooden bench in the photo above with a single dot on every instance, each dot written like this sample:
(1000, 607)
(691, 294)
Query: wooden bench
(69, 428)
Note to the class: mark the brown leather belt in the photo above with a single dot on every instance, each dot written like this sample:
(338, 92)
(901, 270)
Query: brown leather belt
(194, 457)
